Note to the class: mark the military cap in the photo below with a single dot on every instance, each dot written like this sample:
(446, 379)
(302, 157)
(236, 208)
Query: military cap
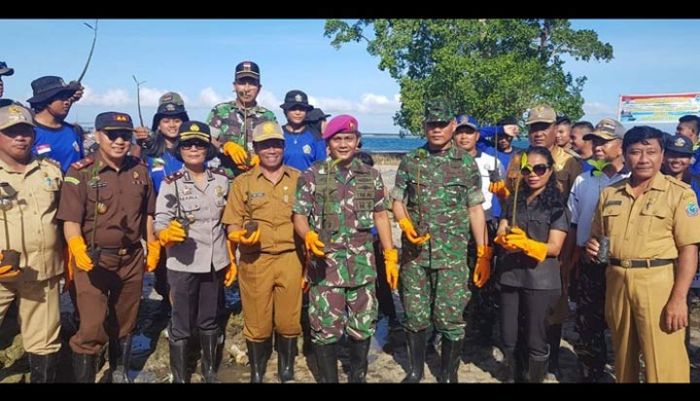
(169, 105)
(464, 120)
(679, 144)
(541, 114)
(113, 121)
(607, 128)
(194, 130)
(267, 130)
(247, 69)
(341, 123)
(438, 110)
(14, 114)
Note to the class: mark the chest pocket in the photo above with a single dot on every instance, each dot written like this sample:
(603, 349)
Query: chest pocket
(363, 202)
(102, 194)
(611, 213)
(455, 188)
(327, 209)
(656, 219)
(258, 202)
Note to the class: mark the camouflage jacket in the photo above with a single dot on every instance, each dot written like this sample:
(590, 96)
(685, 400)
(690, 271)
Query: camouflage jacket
(437, 189)
(341, 205)
(230, 120)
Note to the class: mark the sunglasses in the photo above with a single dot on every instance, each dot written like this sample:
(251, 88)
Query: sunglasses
(197, 144)
(538, 169)
(125, 135)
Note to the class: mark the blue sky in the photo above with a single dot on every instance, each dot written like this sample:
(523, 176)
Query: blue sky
(197, 58)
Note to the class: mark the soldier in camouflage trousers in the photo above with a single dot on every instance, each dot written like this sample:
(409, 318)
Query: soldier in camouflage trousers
(438, 186)
(337, 203)
(234, 121)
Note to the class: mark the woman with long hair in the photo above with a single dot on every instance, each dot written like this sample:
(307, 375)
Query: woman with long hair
(530, 278)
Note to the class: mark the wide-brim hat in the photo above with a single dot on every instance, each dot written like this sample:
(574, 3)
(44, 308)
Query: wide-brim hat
(296, 98)
(5, 70)
(48, 87)
(178, 112)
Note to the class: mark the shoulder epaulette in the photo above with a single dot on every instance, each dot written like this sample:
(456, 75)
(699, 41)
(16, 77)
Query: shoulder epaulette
(292, 169)
(219, 170)
(50, 161)
(81, 164)
(137, 160)
(174, 177)
(676, 181)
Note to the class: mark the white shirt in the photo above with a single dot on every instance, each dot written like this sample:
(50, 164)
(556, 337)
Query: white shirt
(486, 162)
(583, 200)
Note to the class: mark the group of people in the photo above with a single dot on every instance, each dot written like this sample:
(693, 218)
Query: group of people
(596, 214)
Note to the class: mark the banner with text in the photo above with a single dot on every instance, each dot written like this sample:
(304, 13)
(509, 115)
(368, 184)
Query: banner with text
(661, 108)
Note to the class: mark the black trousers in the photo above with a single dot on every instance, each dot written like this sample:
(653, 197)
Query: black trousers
(195, 302)
(524, 310)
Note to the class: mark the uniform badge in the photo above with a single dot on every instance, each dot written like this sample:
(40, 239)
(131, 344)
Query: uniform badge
(307, 149)
(5, 203)
(101, 208)
(96, 182)
(43, 148)
(692, 209)
(76, 147)
(219, 191)
(72, 180)
(187, 191)
(136, 175)
(190, 217)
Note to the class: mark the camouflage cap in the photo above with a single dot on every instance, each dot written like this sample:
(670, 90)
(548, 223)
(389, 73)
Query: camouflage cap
(247, 69)
(170, 104)
(267, 130)
(541, 114)
(14, 114)
(438, 110)
(607, 128)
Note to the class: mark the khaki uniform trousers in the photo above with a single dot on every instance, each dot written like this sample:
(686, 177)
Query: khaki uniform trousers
(39, 314)
(270, 286)
(634, 302)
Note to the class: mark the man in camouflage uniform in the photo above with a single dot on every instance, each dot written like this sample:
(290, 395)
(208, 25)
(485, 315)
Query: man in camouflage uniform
(337, 203)
(234, 121)
(438, 186)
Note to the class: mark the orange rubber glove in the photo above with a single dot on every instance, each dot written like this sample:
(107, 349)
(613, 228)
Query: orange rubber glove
(482, 271)
(153, 255)
(254, 161)
(313, 244)
(534, 249)
(501, 240)
(232, 271)
(499, 189)
(238, 236)
(391, 264)
(6, 272)
(172, 234)
(236, 153)
(79, 250)
(411, 234)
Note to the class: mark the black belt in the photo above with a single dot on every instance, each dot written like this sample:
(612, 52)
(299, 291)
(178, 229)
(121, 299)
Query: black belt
(633, 263)
(121, 251)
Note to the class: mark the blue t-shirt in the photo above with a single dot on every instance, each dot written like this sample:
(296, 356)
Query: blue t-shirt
(61, 144)
(161, 167)
(301, 150)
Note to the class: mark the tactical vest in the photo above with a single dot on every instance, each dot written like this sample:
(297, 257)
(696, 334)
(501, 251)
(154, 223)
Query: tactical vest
(363, 201)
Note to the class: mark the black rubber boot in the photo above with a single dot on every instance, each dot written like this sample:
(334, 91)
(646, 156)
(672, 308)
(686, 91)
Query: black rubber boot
(178, 361)
(327, 362)
(43, 368)
(258, 355)
(537, 368)
(509, 365)
(358, 360)
(450, 356)
(416, 356)
(286, 351)
(120, 359)
(554, 341)
(84, 368)
(209, 340)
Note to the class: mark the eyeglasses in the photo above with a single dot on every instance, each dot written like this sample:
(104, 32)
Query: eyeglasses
(197, 144)
(125, 135)
(538, 169)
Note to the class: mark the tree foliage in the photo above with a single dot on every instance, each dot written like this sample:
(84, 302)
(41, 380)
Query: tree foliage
(488, 68)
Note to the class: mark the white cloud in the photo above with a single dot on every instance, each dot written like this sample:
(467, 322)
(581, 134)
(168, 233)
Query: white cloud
(269, 100)
(208, 98)
(599, 108)
(369, 103)
(111, 98)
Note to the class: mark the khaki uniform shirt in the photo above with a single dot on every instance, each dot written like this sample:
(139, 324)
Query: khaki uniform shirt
(121, 200)
(653, 226)
(202, 206)
(30, 202)
(254, 197)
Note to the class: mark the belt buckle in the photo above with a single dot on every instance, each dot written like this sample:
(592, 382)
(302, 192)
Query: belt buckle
(626, 263)
(122, 251)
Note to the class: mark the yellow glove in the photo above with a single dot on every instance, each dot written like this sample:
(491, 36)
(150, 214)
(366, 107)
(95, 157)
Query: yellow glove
(153, 255)
(391, 264)
(238, 236)
(411, 234)
(313, 244)
(501, 240)
(499, 189)
(79, 250)
(236, 152)
(534, 249)
(6, 272)
(254, 161)
(482, 271)
(172, 234)
(232, 269)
